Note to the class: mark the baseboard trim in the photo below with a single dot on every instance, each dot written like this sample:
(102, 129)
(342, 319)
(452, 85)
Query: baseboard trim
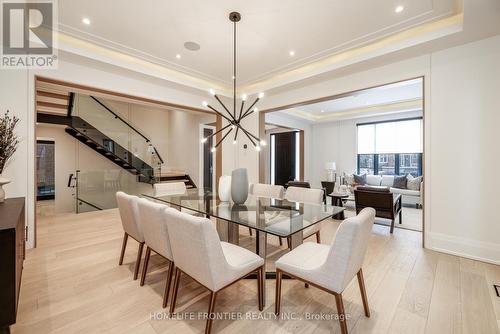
(468, 248)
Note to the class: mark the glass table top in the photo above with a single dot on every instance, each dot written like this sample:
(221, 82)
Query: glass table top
(278, 217)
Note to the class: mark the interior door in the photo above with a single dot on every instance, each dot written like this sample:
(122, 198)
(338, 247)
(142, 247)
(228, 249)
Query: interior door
(208, 167)
(284, 157)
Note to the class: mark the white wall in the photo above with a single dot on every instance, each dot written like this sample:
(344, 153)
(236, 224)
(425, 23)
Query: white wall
(462, 104)
(184, 142)
(336, 141)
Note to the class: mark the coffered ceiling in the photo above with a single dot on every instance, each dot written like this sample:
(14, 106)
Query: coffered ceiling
(314, 31)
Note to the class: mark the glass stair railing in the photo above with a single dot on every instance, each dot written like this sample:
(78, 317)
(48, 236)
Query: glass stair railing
(99, 127)
(96, 189)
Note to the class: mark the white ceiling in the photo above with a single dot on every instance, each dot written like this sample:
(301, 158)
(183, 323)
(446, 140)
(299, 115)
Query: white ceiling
(155, 30)
(392, 98)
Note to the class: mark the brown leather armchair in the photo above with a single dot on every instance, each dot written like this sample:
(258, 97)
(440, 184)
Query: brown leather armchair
(386, 204)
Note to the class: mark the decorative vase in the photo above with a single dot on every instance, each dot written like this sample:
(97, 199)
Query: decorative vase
(2, 192)
(239, 185)
(225, 188)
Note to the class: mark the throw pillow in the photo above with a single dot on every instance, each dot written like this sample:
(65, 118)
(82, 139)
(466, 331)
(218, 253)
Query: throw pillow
(413, 183)
(360, 179)
(349, 179)
(400, 182)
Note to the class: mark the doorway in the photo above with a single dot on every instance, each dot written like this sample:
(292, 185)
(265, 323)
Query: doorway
(376, 132)
(285, 155)
(207, 173)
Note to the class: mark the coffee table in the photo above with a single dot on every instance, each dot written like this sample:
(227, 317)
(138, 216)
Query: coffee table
(338, 200)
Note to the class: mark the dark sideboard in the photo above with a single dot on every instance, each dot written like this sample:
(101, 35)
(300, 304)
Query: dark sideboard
(12, 253)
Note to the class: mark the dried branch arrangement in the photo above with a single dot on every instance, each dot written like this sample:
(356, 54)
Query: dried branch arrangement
(8, 139)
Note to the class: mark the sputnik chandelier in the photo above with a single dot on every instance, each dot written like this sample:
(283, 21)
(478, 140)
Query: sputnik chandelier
(234, 118)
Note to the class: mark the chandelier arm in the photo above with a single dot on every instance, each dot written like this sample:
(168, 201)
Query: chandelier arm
(218, 131)
(222, 139)
(251, 106)
(246, 114)
(241, 110)
(236, 133)
(250, 138)
(225, 108)
(249, 133)
(220, 114)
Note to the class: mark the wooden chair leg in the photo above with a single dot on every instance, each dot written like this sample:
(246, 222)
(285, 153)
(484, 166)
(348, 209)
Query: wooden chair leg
(250, 231)
(138, 261)
(168, 283)
(124, 245)
(341, 313)
(260, 285)
(289, 243)
(401, 216)
(145, 265)
(306, 285)
(211, 307)
(177, 276)
(392, 226)
(362, 289)
(277, 302)
(281, 241)
(318, 237)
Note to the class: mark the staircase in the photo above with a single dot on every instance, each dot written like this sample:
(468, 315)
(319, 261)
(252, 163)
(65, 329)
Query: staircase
(105, 146)
(95, 125)
(165, 178)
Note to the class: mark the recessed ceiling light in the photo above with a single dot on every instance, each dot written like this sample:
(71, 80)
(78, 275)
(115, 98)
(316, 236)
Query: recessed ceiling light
(86, 20)
(291, 53)
(322, 111)
(178, 56)
(399, 9)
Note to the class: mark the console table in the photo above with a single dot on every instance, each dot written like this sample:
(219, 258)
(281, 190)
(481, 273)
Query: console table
(12, 252)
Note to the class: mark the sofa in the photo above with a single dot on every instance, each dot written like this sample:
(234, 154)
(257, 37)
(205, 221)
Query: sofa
(409, 197)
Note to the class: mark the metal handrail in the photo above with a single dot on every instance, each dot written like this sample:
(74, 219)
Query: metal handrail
(128, 124)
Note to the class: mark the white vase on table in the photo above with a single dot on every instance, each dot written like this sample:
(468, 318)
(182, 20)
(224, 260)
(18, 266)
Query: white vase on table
(3, 181)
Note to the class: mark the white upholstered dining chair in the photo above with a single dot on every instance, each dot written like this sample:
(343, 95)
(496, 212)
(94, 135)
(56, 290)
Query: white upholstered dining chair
(267, 190)
(199, 253)
(169, 188)
(309, 196)
(154, 227)
(127, 206)
(331, 267)
(264, 190)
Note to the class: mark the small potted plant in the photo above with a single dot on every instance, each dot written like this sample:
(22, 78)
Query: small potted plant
(8, 145)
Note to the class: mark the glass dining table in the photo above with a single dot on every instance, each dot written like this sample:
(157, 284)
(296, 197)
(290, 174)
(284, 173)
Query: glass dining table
(265, 216)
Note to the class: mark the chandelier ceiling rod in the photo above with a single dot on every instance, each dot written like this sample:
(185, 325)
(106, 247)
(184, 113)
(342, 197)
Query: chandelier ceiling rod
(233, 120)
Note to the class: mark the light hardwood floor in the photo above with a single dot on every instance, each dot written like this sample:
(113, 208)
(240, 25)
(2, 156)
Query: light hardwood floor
(72, 284)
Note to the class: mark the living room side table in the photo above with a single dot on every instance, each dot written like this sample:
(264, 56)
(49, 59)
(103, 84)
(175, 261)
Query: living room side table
(337, 200)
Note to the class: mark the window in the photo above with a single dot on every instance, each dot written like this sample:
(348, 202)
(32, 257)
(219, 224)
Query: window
(366, 164)
(390, 148)
(45, 169)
